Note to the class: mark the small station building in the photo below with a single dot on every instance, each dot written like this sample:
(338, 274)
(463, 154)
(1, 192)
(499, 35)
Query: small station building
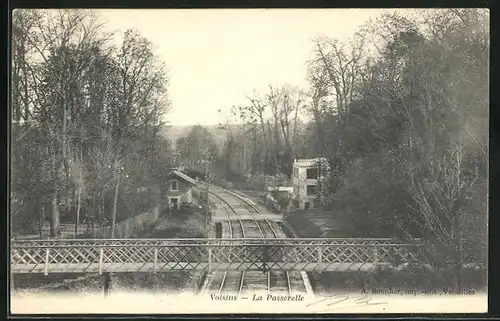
(180, 187)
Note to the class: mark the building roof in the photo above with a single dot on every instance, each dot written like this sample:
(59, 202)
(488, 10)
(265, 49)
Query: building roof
(183, 176)
(280, 189)
(308, 162)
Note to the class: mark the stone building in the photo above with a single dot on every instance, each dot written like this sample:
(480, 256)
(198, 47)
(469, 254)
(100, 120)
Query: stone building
(305, 177)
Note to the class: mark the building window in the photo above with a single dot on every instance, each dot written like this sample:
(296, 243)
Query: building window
(311, 190)
(312, 173)
(174, 186)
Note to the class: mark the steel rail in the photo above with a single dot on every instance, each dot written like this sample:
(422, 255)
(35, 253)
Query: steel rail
(231, 232)
(229, 217)
(289, 286)
(222, 283)
(242, 275)
(241, 281)
(260, 229)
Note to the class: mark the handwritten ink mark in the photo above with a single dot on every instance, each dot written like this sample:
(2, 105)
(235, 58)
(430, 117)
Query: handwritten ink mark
(336, 299)
(327, 298)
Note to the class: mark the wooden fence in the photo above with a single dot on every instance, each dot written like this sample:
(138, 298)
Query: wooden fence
(131, 226)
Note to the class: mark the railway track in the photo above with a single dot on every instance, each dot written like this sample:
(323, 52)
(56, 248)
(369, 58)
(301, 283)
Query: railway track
(225, 283)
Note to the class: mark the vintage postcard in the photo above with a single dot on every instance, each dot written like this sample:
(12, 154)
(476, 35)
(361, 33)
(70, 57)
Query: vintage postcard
(249, 161)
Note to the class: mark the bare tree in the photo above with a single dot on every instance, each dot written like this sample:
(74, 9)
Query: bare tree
(78, 91)
(53, 35)
(341, 64)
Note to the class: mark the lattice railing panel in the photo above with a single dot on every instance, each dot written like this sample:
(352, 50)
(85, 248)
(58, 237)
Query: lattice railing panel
(211, 254)
(74, 255)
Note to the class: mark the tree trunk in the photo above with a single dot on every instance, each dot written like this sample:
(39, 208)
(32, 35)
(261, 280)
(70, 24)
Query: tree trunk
(26, 216)
(92, 210)
(113, 217)
(54, 224)
(42, 219)
(460, 259)
(101, 209)
(67, 192)
(79, 192)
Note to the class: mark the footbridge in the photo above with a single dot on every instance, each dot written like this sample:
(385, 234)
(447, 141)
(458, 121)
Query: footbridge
(235, 254)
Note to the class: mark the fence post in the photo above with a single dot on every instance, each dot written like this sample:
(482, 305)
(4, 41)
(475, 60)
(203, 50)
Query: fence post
(375, 255)
(100, 260)
(320, 254)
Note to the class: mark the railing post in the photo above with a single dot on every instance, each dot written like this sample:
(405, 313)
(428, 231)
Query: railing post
(209, 259)
(375, 255)
(320, 254)
(46, 267)
(265, 258)
(101, 253)
(155, 259)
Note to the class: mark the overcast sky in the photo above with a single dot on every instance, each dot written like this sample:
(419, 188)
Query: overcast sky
(218, 56)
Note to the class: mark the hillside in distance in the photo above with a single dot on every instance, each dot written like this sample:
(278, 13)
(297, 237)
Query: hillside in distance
(175, 132)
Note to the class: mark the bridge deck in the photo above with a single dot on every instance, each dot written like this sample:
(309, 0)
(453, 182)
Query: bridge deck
(173, 266)
(155, 255)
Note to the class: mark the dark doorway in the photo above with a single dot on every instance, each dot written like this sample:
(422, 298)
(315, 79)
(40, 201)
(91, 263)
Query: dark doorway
(307, 205)
(218, 230)
(175, 203)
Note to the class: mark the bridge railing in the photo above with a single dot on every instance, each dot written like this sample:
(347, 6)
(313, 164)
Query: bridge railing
(156, 255)
(148, 241)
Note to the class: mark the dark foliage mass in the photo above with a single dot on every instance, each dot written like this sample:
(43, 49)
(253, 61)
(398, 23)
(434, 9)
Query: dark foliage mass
(401, 113)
